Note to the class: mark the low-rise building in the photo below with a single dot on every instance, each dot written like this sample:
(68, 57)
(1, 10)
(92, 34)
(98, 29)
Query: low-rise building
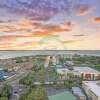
(69, 62)
(86, 73)
(3, 75)
(92, 89)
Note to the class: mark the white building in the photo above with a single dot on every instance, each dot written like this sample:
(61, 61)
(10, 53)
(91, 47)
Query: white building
(86, 73)
(92, 89)
(69, 62)
(62, 71)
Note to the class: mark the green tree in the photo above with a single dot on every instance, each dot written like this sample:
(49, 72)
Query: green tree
(5, 92)
(3, 98)
(28, 80)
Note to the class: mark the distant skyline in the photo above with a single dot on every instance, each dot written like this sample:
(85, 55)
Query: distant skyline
(49, 24)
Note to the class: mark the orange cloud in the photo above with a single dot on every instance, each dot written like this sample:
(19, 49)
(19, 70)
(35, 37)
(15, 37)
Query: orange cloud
(48, 30)
(7, 38)
(25, 25)
(28, 40)
(12, 37)
(31, 43)
(22, 25)
(14, 42)
(20, 46)
(96, 19)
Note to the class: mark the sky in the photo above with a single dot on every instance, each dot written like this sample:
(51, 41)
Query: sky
(49, 24)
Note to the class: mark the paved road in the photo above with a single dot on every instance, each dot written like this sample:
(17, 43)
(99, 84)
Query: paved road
(14, 82)
(47, 83)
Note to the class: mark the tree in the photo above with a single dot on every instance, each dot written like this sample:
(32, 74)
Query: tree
(3, 98)
(28, 80)
(70, 75)
(5, 92)
(35, 94)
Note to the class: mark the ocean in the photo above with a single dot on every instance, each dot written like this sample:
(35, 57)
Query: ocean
(12, 54)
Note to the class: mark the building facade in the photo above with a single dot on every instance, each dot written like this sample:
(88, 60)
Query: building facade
(92, 89)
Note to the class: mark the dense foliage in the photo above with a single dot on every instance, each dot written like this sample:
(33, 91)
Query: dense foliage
(5, 92)
(28, 80)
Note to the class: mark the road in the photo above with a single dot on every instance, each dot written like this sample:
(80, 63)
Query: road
(14, 82)
(48, 82)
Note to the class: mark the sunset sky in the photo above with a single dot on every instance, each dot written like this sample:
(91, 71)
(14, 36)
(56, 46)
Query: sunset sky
(49, 24)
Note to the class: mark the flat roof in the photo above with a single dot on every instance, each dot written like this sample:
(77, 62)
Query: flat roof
(78, 70)
(62, 96)
(85, 70)
(62, 70)
(78, 91)
(93, 86)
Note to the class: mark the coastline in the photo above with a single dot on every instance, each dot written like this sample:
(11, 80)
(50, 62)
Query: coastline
(19, 53)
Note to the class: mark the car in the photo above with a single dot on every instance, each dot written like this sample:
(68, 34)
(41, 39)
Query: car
(15, 92)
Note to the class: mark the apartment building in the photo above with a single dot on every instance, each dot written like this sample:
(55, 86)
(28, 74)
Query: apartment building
(92, 89)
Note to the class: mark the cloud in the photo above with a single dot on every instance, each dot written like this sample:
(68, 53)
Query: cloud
(70, 41)
(96, 19)
(15, 42)
(79, 35)
(7, 38)
(12, 39)
(49, 30)
(83, 9)
(27, 41)
(20, 26)
(36, 10)
(35, 28)
(26, 24)
(25, 44)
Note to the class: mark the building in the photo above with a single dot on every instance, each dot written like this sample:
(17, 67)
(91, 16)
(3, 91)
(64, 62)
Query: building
(69, 63)
(3, 75)
(62, 71)
(79, 93)
(92, 89)
(86, 73)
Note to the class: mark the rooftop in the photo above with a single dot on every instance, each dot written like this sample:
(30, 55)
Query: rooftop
(62, 96)
(77, 70)
(62, 70)
(85, 70)
(78, 91)
(93, 86)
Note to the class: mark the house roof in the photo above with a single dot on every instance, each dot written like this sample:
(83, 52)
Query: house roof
(93, 86)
